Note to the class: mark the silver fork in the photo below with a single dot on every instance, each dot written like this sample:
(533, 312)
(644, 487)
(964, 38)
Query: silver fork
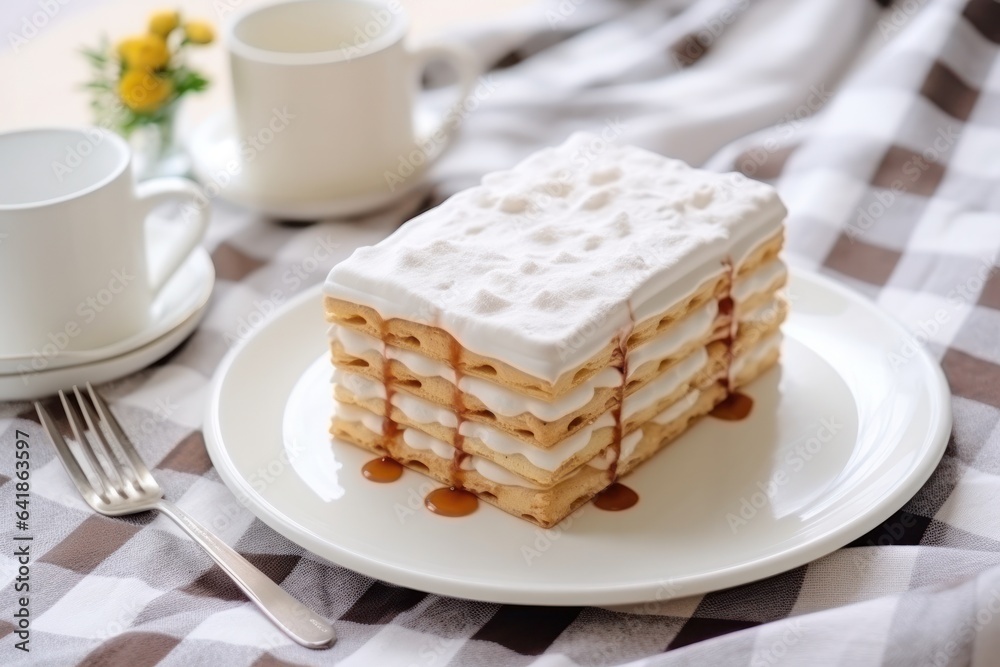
(122, 484)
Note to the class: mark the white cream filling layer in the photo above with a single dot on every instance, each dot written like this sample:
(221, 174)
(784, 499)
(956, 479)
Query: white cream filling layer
(764, 311)
(509, 403)
(420, 440)
(546, 459)
(356, 415)
(694, 327)
(666, 384)
(498, 399)
(755, 354)
(603, 460)
(359, 385)
(424, 412)
(491, 471)
(678, 408)
(758, 281)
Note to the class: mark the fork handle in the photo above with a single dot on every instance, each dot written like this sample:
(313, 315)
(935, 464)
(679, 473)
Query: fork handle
(296, 620)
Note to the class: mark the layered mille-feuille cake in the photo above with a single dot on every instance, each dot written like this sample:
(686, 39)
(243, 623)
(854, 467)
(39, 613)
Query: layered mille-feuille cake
(536, 337)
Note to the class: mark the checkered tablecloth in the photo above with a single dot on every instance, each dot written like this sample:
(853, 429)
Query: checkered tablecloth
(881, 128)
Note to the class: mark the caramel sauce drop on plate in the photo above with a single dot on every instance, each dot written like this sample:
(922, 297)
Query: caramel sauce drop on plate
(735, 407)
(449, 501)
(616, 498)
(383, 470)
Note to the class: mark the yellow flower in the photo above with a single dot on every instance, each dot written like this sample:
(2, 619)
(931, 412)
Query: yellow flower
(142, 91)
(126, 45)
(199, 32)
(145, 52)
(163, 23)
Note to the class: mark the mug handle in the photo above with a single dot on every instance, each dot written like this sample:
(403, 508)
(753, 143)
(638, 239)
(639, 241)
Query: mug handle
(467, 67)
(158, 191)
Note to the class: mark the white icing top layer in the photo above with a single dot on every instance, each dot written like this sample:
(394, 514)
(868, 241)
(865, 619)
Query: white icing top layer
(539, 265)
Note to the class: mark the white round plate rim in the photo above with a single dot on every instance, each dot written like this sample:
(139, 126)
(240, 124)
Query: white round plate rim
(928, 452)
(219, 128)
(169, 320)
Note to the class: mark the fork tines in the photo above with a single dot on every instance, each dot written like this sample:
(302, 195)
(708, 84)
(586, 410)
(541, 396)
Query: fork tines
(102, 448)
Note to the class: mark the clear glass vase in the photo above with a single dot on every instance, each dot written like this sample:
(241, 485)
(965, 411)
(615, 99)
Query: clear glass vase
(156, 150)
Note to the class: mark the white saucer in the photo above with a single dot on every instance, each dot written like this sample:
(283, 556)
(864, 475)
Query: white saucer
(179, 309)
(213, 145)
(184, 295)
(886, 427)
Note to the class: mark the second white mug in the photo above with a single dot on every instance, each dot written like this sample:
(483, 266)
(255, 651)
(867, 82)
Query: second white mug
(325, 98)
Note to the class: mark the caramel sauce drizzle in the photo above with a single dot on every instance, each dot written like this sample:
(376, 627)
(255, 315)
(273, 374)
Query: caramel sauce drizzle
(451, 502)
(620, 361)
(736, 405)
(454, 500)
(616, 498)
(727, 307)
(382, 470)
(458, 405)
(390, 429)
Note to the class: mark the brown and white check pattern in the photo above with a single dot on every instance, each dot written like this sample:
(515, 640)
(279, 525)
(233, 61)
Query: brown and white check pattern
(891, 175)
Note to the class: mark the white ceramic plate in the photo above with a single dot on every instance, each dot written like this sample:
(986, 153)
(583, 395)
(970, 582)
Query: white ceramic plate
(840, 437)
(196, 280)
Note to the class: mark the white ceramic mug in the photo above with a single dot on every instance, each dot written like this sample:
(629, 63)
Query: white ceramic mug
(325, 98)
(76, 271)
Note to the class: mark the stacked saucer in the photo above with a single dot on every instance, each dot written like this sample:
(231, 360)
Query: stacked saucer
(176, 313)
